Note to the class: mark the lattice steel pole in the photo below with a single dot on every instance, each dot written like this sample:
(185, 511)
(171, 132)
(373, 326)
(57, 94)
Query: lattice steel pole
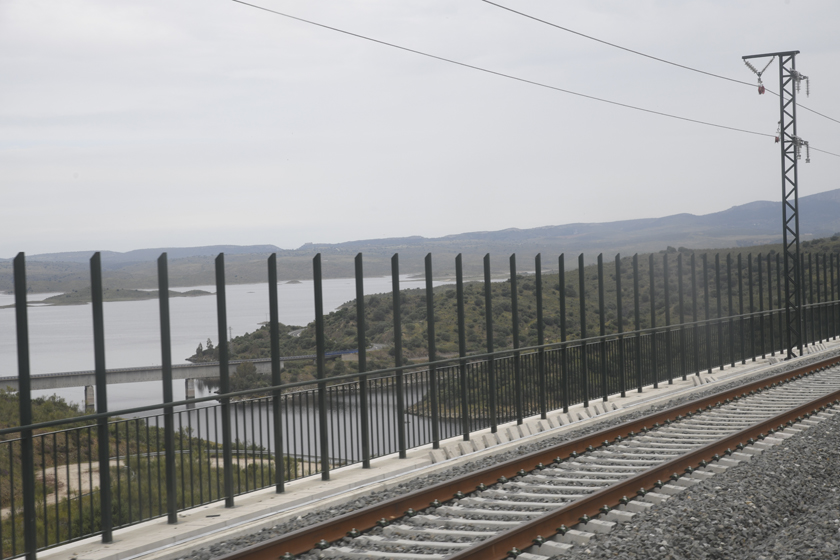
(791, 144)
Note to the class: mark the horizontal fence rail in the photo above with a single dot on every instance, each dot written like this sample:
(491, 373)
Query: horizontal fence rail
(66, 480)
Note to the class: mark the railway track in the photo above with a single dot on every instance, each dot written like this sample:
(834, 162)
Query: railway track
(548, 502)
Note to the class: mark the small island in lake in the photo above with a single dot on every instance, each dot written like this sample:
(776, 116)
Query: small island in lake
(80, 297)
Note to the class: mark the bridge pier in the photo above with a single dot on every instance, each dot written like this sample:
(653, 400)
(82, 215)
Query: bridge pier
(189, 391)
(90, 399)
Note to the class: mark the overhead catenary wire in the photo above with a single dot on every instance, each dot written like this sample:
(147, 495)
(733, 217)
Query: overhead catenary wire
(512, 77)
(502, 74)
(639, 53)
(825, 152)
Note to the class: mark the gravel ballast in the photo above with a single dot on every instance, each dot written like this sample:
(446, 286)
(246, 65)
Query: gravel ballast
(680, 538)
(783, 504)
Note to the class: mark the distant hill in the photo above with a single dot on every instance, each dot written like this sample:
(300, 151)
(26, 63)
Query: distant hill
(755, 223)
(111, 259)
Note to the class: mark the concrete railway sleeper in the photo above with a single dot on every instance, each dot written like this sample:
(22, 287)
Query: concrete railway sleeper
(573, 490)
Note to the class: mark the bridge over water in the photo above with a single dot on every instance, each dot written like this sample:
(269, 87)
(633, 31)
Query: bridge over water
(189, 372)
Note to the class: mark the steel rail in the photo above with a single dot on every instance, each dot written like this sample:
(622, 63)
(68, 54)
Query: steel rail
(308, 538)
(522, 536)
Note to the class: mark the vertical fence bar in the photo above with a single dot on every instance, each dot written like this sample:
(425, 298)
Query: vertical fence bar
(761, 306)
(770, 306)
(741, 308)
(224, 379)
(166, 376)
(804, 300)
(27, 452)
(430, 334)
(462, 347)
(816, 329)
(779, 299)
(564, 358)
(514, 312)
(752, 304)
(398, 356)
(653, 362)
(276, 378)
(683, 365)
(729, 309)
(320, 359)
(719, 302)
(620, 319)
(638, 323)
(833, 315)
(694, 316)
(602, 327)
(491, 362)
(668, 356)
(825, 296)
(101, 397)
(540, 337)
(707, 312)
(361, 343)
(822, 296)
(583, 362)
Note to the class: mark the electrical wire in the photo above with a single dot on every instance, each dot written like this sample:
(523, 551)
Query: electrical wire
(656, 58)
(825, 152)
(502, 74)
(590, 37)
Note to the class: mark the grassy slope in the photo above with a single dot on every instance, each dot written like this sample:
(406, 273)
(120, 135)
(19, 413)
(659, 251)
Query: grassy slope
(340, 326)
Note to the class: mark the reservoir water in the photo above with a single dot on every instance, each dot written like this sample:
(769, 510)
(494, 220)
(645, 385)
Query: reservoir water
(61, 337)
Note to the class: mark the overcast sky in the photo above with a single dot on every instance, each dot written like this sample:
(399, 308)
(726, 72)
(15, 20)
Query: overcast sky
(151, 123)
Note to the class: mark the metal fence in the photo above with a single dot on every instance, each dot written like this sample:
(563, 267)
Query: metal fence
(67, 480)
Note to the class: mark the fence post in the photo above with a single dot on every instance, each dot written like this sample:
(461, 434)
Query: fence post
(103, 439)
(564, 361)
(683, 365)
(540, 337)
(488, 320)
(770, 306)
(653, 361)
(825, 297)
(779, 299)
(638, 322)
(752, 305)
(514, 312)
(729, 308)
(166, 376)
(361, 343)
(430, 334)
(706, 309)
(398, 357)
(462, 346)
(668, 356)
(815, 308)
(224, 379)
(320, 361)
(620, 318)
(602, 347)
(276, 379)
(832, 314)
(719, 305)
(694, 315)
(741, 308)
(27, 459)
(583, 362)
(804, 300)
(761, 305)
